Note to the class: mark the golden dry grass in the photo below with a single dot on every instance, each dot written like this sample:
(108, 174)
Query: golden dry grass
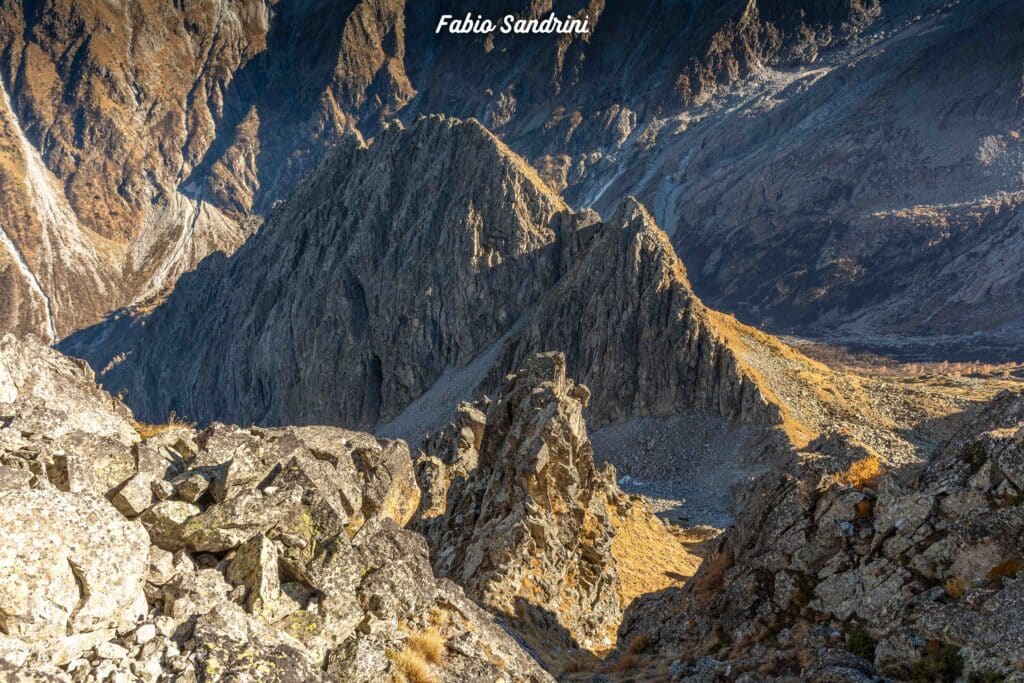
(411, 667)
(1010, 567)
(648, 557)
(429, 644)
(863, 473)
(954, 588)
(714, 575)
(146, 430)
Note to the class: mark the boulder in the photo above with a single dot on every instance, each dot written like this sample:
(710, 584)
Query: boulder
(70, 564)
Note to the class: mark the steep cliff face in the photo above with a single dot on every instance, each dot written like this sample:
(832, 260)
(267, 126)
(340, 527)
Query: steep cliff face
(861, 195)
(389, 264)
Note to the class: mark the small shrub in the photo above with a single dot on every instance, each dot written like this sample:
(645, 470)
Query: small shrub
(861, 644)
(985, 677)
(944, 664)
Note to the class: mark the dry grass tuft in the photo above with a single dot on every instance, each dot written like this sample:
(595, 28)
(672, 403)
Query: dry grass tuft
(411, 667)
(1010, 567)
(146, 430)
(713, 577)
(863, 473)
(429, 645)
(638, 643)
(623, 663)
(954, 587)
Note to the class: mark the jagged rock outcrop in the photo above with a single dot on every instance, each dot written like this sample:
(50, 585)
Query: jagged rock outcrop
(35, 381)
(516, 511)
(635, 333)
(227, 554)
(527, 524)
(839, 570)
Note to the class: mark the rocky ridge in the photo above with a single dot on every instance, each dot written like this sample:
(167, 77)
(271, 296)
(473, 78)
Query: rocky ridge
(837, 570)
(517, 512)
(223, 554)
(355, 300)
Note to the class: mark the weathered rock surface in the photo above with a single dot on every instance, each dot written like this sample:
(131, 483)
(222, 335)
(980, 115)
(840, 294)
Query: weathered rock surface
(527, 525)
(380, 261)
(290, 564)
(516, 511)
(71, 564)
(634, 332)
(838, 568)
(34, 380)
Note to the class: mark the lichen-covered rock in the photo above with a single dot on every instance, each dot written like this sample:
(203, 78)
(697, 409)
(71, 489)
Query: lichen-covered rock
(231, 645)
(252, 554)
(32, 375)
(70, 564)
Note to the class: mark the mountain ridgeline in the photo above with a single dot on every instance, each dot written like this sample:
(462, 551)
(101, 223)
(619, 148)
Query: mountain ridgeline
(434, 249)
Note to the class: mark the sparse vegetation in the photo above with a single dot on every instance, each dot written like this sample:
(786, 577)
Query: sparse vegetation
(429, 644)
(874, 365)
(624, 663)
(410, 667)
(713, 576)
(1006, 568)
(954, 588)
(943, 663)
(146, 430)
(861, 474)
(861, 644)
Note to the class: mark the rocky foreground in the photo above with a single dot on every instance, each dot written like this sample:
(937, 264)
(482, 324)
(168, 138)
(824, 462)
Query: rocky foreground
(501, 552)
(140, 553)
(837, 571)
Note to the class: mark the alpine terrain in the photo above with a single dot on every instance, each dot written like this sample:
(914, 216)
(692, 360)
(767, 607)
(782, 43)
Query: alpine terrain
(338, 347)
